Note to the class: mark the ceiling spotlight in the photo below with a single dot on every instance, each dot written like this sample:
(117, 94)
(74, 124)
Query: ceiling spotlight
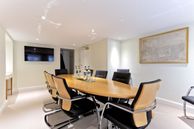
(43, 17)
(58, 24)
(37, 39)
(74, 44)
(93, 32)
(122, 20)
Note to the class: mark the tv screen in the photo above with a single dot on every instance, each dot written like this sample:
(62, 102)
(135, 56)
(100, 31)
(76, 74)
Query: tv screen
(38, 54)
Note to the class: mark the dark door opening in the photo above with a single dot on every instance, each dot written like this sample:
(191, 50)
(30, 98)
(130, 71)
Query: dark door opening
(67, 60)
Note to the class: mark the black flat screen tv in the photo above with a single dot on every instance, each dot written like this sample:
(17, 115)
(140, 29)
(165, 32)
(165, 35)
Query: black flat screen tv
(38, 54)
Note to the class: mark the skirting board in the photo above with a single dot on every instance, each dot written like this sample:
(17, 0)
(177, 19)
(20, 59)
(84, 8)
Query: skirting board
(174, 104)
(30, 88)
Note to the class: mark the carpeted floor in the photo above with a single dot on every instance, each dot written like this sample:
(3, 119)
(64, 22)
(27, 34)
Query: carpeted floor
(24, 111)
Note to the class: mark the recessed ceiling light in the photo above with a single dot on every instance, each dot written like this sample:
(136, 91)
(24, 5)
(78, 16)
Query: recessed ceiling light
(37, 39)
(74, 44)
(122, 20)
(58, 24)
(43, 17)
(93, 32)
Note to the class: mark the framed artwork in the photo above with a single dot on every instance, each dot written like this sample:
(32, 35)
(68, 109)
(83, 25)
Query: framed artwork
(168, 47)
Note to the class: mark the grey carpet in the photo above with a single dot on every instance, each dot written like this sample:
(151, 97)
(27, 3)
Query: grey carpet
(187, 121)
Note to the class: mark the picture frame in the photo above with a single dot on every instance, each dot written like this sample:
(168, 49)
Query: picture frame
(167, 47)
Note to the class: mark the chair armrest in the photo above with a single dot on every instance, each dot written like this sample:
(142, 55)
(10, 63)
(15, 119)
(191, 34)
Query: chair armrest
(51, 88)
(128, 109)
(73, 99)
(192, 87)
(122, 106)
(189, 91)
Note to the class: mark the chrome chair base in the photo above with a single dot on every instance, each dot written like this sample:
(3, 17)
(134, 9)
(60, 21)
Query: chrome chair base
(185, 103)
(60, 124)
(64, 123)
(46, 110)
(185, 111)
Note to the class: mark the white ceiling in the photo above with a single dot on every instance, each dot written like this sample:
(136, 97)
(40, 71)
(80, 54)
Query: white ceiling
(117, 19)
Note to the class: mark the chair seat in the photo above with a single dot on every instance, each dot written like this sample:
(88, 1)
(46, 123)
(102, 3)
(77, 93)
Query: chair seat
(120, 118)
(123, 119)
(189, 99)
(81, 107)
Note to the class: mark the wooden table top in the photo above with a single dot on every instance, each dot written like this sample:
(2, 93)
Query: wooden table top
(101, 87)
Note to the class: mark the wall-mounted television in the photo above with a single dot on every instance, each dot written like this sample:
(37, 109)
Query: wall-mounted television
(38, 54)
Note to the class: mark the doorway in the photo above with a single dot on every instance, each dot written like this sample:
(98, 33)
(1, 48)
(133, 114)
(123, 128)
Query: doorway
(67, 60)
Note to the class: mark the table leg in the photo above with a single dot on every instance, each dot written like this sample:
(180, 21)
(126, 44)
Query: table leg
(97, 112)
(109, 125)
(6, 89)
(11, 81)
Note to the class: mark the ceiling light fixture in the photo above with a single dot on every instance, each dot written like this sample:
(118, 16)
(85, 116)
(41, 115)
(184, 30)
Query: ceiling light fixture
(92, 34)
(43, 17)
(122, 20)
(37, 39)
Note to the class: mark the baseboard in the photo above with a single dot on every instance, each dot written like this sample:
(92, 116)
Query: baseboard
(30, 88)
(2, 107)
(174, 104)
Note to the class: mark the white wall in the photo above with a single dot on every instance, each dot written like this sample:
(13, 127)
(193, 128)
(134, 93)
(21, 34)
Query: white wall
(95, 56)
(66, 58)
(77, 56)
(176, 78)
(2, 66)
(102, 55)
(9, 55)
(113, 56)
(28, 74)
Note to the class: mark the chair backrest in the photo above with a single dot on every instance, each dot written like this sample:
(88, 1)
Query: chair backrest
(123, 70)
(92, 71)
(45, 76)
(60, 71)
(52, 85)
(64, 92)
(121, 77)
(145, 97)
(101, 73)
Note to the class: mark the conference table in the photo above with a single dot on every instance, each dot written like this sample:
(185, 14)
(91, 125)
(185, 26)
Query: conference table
(101, 87)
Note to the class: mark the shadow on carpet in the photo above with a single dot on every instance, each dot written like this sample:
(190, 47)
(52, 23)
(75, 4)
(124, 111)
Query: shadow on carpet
(187, 121)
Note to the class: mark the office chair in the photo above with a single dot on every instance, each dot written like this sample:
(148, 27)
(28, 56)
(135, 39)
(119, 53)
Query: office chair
(138, 115)
(123, 70)
(52, 90)
(188, 99)
(46, 81)
(74, 105)
(101, 73)
(60, 71)
(126, 71)
(121, 77)
(124, 78)
(91, 71)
